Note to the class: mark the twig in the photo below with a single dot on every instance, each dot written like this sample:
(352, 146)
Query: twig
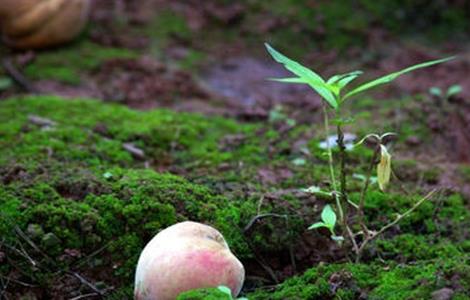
(261, 216)
(133, 150)
(291, 249)
(342, 173)
(16, 75)
(85, 296)
(85, 282)
(40, 121)
(17, 281)
(364, 190)
(372, 235)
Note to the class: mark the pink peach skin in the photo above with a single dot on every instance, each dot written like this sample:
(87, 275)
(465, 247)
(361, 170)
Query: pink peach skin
(183, 257)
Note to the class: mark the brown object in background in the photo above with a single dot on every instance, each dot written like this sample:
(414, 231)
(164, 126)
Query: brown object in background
(27, 24)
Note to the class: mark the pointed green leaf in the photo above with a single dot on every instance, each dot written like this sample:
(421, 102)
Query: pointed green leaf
(435, 91)
(384, 168)
(328, 216)
(337, 238)
(291, 80)
(317, 225)
(343, 79)
(349, 77)
(392, 76)
(314, 80)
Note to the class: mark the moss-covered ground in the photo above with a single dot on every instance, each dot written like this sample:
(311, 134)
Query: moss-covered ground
(74, 199)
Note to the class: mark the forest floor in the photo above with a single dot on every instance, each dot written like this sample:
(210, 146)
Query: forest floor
(181, 123)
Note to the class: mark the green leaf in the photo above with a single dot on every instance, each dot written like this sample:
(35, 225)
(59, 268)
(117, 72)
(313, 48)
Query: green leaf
(454, 90)
(311, 78)
(291, 80)
(343, 79)
(317, 225)
(392, 76)
(435, 91)
(337, 238)
(328, 216)
(384, 168)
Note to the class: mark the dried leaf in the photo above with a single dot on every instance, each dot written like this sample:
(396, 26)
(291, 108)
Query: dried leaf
(384, 168)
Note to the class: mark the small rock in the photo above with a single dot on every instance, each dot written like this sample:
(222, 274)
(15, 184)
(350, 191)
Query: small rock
(28, 296)
(443, 294)
(35, 231)
(413, 141)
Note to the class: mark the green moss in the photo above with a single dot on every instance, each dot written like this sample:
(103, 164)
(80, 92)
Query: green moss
(203, 294)
(445, 215)
(408, 247)
(124, 213)
(464, 171)
(179, 137)
(391, 281)
(69, 62)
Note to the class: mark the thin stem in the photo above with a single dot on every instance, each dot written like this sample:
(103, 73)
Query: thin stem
(373, 235)
(364, 190)
(331, 163)
(342, 174)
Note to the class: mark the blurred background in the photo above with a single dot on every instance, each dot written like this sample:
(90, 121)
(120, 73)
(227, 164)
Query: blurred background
(208, 56)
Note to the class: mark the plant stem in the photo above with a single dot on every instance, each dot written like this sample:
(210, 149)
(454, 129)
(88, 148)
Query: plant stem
(331, 164)
(364, 190)
(342, 174)
(373, 235)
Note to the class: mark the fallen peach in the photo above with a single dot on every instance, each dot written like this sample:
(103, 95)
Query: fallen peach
(183, 257)
(27, 24)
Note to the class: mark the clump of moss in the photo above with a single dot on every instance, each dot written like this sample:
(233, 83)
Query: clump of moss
(129, 207)
(97, 138)
(75, 184)
(73, 189)
(391, 281)
(204, 294)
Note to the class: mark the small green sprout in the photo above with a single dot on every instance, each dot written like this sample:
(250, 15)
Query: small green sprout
(331, 89)
(451, 92)
(328, 217)
(335, 91)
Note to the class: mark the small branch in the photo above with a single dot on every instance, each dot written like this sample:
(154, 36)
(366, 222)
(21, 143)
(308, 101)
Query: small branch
(405, 214)
(85, 296)
(40, 121)
(261, 216)
(364, 190)
(19, 78)
(22, 283)
(134, 150)
(342, 174)
(371, 235)
(260, 260)
(85, 282)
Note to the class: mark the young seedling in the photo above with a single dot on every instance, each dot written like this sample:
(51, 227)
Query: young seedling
(451, 92)
(328, 217)
(335, 91)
